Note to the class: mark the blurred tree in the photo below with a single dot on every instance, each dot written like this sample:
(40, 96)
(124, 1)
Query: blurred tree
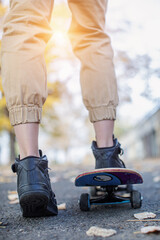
(130, 67)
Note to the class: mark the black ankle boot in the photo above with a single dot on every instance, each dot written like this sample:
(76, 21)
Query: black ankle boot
(108, 157)
(33, 186)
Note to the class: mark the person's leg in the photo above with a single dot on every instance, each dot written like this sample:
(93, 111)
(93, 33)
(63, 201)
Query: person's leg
(92, 46)
(104, 133)
(27, 138)
(26, 31)
(98, 83)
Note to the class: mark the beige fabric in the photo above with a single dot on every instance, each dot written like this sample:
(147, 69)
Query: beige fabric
(26, 31)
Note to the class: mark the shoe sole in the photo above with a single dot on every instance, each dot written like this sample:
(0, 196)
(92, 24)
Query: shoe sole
(34, 204)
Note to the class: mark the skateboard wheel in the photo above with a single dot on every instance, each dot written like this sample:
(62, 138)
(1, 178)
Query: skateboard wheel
(136, 200)
(93, 191)
(84, 202)
(129, 188)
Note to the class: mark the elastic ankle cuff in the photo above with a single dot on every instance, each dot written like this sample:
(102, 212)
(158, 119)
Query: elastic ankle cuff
(102, 113)
(25, 114)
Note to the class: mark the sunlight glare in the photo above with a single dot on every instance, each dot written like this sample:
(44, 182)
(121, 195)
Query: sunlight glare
(60, 38)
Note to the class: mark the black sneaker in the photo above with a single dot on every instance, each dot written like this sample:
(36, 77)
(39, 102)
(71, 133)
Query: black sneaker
(36, 197)
(108, 157)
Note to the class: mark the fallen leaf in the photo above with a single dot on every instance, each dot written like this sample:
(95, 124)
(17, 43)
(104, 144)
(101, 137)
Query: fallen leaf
(62, 206)
(14, 201)
(13, 197)
(101, 232)
(144, 215)
(12, 192)
(150, 229)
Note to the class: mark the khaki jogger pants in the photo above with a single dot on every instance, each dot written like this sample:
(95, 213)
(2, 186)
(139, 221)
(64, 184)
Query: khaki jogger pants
(26, 31)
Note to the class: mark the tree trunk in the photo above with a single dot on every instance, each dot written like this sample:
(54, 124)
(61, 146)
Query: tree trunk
(12, 146)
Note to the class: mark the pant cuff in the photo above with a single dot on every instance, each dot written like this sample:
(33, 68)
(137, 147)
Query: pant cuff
(102, 113)
(25, 114)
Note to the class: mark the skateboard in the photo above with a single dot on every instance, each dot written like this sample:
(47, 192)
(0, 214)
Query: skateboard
(108, 186)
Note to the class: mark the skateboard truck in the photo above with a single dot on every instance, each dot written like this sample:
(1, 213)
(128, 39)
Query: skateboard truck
(109, 198)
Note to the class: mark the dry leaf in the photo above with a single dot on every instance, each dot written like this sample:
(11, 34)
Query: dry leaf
(13, 197)
(150, 229)
(62, 206)
(14, 201)
(144, 215)
(12, 192)
(101, 232)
